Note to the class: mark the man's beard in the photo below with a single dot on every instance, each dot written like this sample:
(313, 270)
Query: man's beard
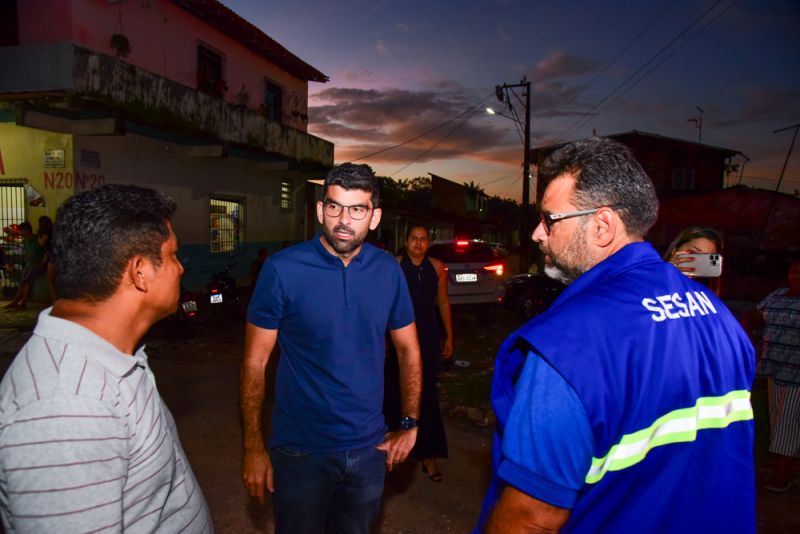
(342, 247)
(570, 264)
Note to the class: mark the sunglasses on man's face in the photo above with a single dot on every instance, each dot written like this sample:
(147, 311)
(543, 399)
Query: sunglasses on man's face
(549, 219)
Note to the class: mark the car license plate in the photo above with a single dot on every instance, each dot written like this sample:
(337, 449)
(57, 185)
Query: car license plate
(216, 298)
(189, 306)
(466, 277)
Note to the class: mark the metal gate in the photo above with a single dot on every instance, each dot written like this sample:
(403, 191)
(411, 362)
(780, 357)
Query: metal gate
(13, 210)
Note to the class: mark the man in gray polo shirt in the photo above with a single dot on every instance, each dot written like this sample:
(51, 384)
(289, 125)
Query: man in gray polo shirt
(86, 443)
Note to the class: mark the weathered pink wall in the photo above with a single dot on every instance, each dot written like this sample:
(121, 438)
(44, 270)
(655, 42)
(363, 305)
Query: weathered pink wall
(163, 39)
(44, 21)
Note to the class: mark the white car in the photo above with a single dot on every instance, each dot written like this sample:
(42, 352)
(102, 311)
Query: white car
(475, 275)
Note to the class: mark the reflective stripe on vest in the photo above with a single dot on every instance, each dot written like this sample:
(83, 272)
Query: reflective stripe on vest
(678, 426)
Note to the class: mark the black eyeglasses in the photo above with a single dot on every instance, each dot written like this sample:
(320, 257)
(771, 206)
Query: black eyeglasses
(356, 212)
(549, 219)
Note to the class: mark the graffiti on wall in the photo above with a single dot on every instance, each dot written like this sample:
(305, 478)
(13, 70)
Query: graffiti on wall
(80, 181)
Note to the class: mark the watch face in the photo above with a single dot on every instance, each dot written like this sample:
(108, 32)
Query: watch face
(407, 423)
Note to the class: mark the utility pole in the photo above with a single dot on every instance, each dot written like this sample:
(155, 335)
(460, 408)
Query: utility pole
(772, 201)
(791, 147)
(698, 122)
(502, 93)
(741, 169)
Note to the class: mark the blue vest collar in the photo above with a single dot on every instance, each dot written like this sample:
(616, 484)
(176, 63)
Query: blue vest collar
(628, 257)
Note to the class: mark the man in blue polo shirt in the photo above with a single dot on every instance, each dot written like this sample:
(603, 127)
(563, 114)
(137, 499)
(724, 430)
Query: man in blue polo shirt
(626, 406)
(329, 302)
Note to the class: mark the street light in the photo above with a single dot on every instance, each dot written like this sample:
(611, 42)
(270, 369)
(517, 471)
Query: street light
(502, 92)
(492, 111)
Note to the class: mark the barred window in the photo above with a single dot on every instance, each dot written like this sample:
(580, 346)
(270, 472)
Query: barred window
(12, 202)
(227, 224)
(286, 195)
(13, 210)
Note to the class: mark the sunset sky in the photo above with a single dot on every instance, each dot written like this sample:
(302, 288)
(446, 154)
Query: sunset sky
(399, 69)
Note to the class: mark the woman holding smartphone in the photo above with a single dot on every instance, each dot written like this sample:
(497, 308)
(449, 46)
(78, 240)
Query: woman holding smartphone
(695, 240)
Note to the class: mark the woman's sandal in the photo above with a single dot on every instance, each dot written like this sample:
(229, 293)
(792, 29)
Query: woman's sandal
(436, 476)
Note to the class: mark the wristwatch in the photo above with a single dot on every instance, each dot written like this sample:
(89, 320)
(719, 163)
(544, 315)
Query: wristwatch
(407, 423)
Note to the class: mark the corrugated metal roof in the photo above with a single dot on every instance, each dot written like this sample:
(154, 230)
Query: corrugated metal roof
(234, 26)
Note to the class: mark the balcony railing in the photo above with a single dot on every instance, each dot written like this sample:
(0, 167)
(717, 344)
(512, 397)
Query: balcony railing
(70, 75)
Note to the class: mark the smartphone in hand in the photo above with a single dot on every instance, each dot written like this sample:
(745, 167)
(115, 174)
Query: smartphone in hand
(703, 265)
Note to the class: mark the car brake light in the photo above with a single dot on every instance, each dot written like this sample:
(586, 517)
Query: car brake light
(496, 268)
(462, 243)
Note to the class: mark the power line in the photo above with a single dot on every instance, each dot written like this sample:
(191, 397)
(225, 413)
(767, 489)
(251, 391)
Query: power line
(585, 118)
(381, 151)
(503, 177)
(434, 145)
(639, 70)
(608, 65)
(684, 43)
(512, 184)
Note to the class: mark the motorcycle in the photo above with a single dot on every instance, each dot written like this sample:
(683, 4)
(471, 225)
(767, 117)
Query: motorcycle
(188, 310)
(188, 313)
(221, 292)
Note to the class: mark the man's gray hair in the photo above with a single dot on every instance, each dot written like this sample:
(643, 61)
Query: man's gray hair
(606, 174)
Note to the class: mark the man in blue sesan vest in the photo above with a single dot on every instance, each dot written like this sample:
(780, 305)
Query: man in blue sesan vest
(626, 406)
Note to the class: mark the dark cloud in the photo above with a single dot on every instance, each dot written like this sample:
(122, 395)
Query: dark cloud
(561, 65)
(765, 104)
(507, 155)
(339, 131)
(555, 98)
(362, 121)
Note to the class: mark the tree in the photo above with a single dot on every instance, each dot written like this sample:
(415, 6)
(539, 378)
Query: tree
(392, 192)
(473, 187)
(418, 194)
(504, 210)
(414, 193)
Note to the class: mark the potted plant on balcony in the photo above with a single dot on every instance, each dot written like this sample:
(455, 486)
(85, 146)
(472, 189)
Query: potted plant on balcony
(119, 42)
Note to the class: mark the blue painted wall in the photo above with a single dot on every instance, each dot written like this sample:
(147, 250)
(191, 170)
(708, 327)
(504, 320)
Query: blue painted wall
(200, 264)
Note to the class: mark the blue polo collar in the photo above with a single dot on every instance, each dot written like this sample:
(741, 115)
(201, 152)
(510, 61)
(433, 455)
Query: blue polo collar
(332, 259)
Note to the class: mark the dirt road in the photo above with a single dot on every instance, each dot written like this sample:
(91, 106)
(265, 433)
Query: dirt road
(198, 378)
(203, 399)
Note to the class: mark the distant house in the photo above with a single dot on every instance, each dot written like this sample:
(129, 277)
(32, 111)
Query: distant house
(449, 209)
(181, 95)
(677, 167)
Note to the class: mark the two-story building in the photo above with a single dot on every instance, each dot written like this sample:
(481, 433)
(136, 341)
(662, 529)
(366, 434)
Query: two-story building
(183, 96)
